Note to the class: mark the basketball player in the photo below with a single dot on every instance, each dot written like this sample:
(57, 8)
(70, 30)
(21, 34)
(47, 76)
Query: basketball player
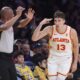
(62, 43)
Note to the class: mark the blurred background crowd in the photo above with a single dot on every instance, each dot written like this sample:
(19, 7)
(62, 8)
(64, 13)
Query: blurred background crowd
(34, 51)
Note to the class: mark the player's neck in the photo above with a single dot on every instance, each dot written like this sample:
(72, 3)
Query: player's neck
(61, 29)
(60, 26)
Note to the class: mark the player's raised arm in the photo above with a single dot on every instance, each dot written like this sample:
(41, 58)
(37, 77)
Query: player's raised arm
(38, 33)
(74, 38)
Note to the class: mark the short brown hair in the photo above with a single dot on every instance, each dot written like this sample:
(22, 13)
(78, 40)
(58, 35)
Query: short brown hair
(59, 14)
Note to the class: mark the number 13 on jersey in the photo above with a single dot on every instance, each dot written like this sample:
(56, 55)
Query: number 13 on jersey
(60, 47)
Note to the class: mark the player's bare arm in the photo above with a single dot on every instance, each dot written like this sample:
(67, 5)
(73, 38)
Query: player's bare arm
(11, 22)
(29, 16)
(74, 38)
(38, 33)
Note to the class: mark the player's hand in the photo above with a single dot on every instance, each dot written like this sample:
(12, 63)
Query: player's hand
(70, 76)
(74, 67)
(30, 13)
(45, 21)
(19, 10)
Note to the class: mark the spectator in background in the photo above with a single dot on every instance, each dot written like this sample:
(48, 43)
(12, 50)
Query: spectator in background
(40, 71)
(21, 32)
(45, 49)
(23, 71)
(37, 47)
(44, 40)
(27, 52)
(18, 44)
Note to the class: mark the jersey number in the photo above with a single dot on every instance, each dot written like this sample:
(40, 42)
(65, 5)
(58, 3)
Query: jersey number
(60, 47)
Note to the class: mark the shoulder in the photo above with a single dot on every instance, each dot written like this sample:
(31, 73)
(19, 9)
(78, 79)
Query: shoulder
(37, 68)
(73, 34)
(27, 68)
(73, 31)
(50, 28)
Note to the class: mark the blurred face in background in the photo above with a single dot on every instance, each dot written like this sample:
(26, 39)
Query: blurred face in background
(20, 59)
(37, 50)
(45, 47)
(26, 48)
(43, 64)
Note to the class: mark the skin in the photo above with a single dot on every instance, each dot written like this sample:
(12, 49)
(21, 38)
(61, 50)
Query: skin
(7, 16)
(26, 48)
(61, 27)
(20, 59)
(43, 64)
